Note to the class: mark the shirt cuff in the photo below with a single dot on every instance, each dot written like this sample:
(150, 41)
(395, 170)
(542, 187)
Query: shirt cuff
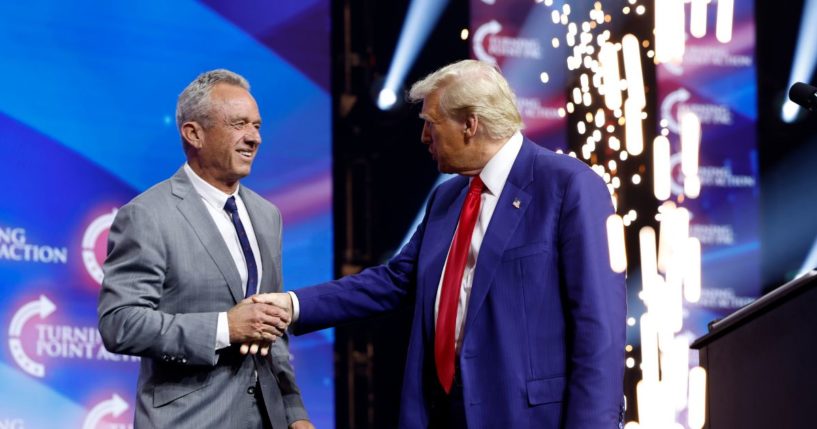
(296, 306)
(222, 332)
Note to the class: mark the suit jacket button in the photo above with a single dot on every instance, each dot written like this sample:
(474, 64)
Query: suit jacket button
(251, 390)
(183, 360)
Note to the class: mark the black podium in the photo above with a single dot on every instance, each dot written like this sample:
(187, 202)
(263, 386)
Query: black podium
(761, 361)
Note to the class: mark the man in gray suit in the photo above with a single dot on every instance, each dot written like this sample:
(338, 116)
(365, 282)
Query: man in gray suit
(183, 259)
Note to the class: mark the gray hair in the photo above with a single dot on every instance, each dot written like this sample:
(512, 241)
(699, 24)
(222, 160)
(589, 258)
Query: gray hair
(194, 101)
(473, 87)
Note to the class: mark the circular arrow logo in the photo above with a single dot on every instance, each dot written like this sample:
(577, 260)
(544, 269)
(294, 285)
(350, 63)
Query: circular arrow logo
(678, 96)
(42, 307)
(489, 28)
(109, 407)
(93, 249)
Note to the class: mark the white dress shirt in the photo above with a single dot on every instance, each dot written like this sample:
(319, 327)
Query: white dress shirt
(493, 175)
(214, 199)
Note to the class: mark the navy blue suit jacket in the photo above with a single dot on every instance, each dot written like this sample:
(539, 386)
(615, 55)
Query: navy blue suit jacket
(544, 334)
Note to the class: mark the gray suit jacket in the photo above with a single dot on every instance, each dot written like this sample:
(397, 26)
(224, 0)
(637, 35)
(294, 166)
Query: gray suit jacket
(167, 276)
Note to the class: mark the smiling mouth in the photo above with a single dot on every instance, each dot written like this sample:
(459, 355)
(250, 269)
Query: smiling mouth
(246, 154)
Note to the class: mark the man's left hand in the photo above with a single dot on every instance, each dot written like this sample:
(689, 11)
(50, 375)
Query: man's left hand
(301, 424)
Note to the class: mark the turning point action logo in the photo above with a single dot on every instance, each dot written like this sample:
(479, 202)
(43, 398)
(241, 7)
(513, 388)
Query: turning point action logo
(42, 307)
(54, 341)
(113, 407)
(94, 249)
(502, 46)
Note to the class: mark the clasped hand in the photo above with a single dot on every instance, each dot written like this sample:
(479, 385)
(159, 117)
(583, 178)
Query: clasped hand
(259, 321)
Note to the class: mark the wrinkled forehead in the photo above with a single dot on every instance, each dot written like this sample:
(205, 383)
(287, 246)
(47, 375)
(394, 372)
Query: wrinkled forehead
(431, 104)
(230, 100)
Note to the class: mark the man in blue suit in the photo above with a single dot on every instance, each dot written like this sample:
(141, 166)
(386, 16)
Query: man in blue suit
(519, 321)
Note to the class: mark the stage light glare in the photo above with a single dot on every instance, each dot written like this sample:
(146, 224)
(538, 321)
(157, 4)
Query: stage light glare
(662, 178)
(577, 95)
(386, 99)
(614, 143)
(632, 70)
(692, 276)
(723, 24)
(633, 131)
(790, 111)
(805, 57)
(615, 240)
(612, 165)
(464, 34)
(420, 19)
(675, 373)
(669, 30)
(697, 18)
(600, 119)
(608, 57)
(696, 413)
(692, 186)
(649, 356)
(690, 143)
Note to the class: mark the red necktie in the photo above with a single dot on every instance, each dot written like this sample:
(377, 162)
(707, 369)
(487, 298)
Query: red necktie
(452, 280)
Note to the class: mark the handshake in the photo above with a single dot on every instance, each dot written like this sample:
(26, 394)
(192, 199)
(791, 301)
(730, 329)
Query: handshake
(259, 321)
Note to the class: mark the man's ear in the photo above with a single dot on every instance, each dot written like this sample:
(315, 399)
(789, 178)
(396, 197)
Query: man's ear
(193, 133)
(471, 124)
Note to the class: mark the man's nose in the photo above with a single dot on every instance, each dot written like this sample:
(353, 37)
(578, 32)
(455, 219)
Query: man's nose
(425, 136)
(253, 136)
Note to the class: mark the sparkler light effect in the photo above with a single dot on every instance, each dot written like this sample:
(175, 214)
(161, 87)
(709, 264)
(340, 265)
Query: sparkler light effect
(603, 104)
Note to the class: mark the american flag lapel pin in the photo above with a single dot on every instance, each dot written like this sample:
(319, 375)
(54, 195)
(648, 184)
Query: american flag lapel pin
(517, 203)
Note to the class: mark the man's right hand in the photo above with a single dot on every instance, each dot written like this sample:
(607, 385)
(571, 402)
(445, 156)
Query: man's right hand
(281, 300)
(250, 321)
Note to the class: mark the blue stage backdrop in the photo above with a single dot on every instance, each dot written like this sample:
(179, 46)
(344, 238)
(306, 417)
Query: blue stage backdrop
(86, 123)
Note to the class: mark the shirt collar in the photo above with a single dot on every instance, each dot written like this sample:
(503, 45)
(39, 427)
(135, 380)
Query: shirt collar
(208, 192)
(496, 171)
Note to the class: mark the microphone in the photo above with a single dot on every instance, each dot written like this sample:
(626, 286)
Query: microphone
(804, 95)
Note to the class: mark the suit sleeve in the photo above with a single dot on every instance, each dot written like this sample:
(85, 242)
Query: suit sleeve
(373, 291)
(280, 355)
(129, 319)
(595, 306)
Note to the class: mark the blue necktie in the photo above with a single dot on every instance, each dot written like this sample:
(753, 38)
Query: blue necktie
(252, 269)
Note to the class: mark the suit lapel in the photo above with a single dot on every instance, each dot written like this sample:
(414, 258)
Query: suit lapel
(504, 222)
(440, 228)
(194, 211)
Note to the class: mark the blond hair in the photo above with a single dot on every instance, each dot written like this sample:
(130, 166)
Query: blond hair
(473, 87)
